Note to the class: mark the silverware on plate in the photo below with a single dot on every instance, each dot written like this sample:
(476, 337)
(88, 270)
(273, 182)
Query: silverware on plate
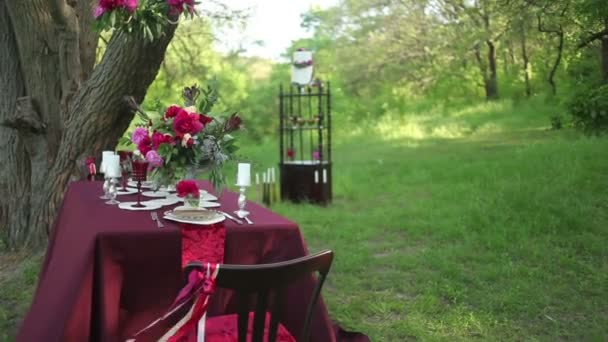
(154, 216)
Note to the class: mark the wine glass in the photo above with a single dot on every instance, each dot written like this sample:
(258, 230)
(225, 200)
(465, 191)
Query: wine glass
(125, 166)
(140, 173)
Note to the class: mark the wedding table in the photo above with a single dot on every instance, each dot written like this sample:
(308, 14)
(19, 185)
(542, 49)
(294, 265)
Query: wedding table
(103, 264)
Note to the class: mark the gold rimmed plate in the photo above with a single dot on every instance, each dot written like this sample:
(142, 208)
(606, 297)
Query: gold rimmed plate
(193, 216)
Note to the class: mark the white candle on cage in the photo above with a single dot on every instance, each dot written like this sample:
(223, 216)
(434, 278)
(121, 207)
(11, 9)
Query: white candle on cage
(264, 177)
(272, 175)
(244, 175)
(112, 166)
(257, 178)
(324, 176)
(316, 177)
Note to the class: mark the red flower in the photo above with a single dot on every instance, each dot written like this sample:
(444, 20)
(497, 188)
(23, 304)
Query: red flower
(90, 160)
(205, 119)
(291, 153)
(187, 187)
(233, 123)
(172, 111)
(177, 6)
(186, 122)
(145, 145)
(159, 138)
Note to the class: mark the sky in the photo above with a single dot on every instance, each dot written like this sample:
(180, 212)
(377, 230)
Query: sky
(274, 22)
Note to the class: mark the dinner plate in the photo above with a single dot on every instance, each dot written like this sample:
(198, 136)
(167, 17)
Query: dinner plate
(201, 205)
(195, 216)
(204, 196)
(165, 201)
(148, 205)
(144, 185)
(155, 194)
(129, 191)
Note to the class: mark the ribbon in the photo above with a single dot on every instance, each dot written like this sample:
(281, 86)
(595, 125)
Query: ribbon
(199, 289)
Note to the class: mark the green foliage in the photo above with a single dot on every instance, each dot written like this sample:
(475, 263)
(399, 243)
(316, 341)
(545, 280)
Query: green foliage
(589, 109)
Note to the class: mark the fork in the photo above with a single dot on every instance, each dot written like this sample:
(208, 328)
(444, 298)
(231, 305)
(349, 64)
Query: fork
(154, 216)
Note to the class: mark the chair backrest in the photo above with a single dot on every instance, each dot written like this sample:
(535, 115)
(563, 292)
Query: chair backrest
(267, 283)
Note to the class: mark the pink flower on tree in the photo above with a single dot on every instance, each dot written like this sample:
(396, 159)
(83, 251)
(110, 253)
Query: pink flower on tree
(154, 158)
(177, 6)
(110, 5)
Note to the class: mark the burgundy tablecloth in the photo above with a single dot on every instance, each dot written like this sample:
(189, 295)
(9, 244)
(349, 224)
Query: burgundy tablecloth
(103, 264)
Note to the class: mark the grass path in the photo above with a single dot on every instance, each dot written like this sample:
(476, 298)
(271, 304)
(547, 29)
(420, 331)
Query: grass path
(489, 237)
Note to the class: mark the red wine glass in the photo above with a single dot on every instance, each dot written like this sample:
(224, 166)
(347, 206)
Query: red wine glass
(125, 165)
(140, 173)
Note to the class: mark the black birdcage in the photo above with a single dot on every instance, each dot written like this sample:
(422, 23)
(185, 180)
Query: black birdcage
(305, 143)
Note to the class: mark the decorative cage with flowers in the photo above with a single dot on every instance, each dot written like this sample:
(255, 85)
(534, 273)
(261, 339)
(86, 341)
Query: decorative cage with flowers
(305, 142)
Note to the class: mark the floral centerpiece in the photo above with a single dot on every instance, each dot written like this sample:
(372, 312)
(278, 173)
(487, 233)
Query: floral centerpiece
(185, 141)
(188, 190)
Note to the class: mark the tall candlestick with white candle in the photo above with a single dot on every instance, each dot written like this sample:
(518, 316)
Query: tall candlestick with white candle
(112, 166)
(244, 175)
(243, 180)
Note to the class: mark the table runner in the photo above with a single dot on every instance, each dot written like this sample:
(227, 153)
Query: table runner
(101, 262)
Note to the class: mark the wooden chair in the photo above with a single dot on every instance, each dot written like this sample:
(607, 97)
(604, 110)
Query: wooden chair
(266, 284)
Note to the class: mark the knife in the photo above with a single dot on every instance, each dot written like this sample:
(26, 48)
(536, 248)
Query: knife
(231, 217)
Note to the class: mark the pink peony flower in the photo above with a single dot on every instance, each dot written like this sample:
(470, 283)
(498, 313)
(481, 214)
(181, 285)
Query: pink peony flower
(177, 6)
(172, 111)
(99, 11)
(187, 188)
(130, 5)
(154, 158)
(138, 135)
(186, 122)
(145, 145)
(159, 138)
(205, 119)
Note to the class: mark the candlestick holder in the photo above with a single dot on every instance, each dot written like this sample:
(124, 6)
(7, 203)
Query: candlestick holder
(106, 187)
(112, 192)
(241, 202)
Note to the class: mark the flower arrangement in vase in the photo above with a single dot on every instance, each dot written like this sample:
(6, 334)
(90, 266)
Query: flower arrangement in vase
(185, 140)
(188, 190)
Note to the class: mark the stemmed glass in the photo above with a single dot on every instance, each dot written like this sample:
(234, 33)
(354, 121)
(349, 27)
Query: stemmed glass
(140, 173)
(125, 166)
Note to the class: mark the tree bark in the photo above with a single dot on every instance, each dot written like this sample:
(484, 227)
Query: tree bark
(526, 60)
(492, 80)
(605, 53)
(58, 110)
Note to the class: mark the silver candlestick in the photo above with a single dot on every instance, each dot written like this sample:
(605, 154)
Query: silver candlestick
(241, 203)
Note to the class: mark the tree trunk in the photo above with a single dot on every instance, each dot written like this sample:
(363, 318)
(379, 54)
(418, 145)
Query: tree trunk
(492, 79)
(524, 55)
(605, 53)
(558, 59)
(58, 110)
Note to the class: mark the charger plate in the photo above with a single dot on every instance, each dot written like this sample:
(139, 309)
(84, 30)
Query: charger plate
(193, 216)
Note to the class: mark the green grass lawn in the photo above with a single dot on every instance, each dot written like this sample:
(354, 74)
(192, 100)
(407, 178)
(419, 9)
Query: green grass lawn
(480, 224)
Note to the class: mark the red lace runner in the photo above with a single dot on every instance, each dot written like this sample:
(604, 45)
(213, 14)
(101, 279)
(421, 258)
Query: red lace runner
(204, 244)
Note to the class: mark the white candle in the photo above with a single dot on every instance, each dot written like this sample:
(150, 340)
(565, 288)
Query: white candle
(264, 177)
(104, 155)
(244, 175)
(274, 179)
(324, 176)
(257, 178)
(112, 165)
(316, 177)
